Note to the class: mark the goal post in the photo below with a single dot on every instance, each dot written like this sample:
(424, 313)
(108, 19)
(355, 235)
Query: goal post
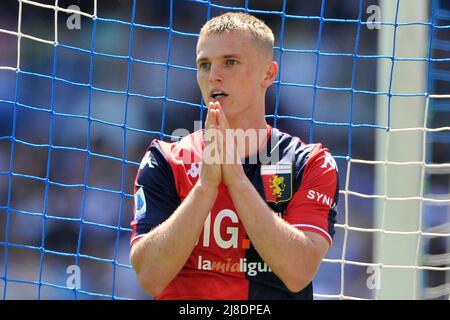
(400, 149)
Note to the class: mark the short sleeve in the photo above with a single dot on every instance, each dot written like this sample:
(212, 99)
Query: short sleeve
(155, 194)
(314, 205)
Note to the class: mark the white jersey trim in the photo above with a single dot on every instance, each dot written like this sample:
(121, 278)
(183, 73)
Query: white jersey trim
(317, 228)
(136, 237)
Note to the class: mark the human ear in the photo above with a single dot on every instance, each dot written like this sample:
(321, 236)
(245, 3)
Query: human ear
(270, 74)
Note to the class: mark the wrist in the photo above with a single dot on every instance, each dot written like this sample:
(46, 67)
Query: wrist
(238, 184)
(206, 187)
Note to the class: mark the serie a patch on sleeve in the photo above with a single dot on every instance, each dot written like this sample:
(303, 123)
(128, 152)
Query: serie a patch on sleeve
(140, 206)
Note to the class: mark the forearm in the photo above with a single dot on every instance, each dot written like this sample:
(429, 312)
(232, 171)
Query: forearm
(159, 256)
(288, 251)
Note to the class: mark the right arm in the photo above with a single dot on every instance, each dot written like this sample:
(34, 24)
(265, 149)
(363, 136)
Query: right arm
(160, 254)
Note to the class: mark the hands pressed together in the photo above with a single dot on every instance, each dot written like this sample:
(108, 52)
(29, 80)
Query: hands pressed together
(221, 158)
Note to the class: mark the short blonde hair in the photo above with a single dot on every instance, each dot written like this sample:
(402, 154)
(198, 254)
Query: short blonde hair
(237, 21)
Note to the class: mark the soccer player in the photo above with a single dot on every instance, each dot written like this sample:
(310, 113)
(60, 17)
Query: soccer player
(209, 222)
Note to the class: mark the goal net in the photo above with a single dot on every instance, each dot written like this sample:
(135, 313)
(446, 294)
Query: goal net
(86, 85)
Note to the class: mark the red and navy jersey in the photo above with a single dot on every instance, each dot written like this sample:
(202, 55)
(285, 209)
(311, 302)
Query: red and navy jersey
(301, 186)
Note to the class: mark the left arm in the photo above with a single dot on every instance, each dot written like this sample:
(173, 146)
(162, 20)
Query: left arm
(293, 255)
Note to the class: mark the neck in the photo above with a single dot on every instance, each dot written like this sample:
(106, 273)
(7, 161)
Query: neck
(252, 117)
(246, 124)
(254, 126)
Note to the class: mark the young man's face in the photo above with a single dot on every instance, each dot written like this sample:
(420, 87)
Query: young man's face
(233, 71)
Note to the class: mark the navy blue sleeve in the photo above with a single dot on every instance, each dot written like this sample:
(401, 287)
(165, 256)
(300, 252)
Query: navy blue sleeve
(155, 197)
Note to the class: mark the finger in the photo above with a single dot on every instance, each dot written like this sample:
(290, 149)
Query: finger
(215, 104)
(222, 119)
(214, 118)
(212, 105)
(211, 117)
(208, 117)
(211, 127)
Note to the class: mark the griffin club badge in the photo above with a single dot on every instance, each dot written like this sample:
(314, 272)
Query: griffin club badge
(277, 181)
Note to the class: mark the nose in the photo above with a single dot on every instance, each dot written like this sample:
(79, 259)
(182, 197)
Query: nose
(215, 73)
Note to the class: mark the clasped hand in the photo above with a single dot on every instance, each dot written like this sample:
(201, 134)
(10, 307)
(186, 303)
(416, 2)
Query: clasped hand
(221, 157)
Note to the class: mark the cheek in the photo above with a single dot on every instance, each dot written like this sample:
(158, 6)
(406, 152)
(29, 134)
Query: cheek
(248, 78)
(254, 77)
(253, 82)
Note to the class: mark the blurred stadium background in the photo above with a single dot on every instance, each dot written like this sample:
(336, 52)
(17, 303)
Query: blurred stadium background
(76, 117)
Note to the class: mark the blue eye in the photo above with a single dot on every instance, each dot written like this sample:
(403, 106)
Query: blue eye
(231, 62)
(204, 65)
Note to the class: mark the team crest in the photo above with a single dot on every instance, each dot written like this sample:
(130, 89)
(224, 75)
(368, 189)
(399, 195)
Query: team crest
(277, 181)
